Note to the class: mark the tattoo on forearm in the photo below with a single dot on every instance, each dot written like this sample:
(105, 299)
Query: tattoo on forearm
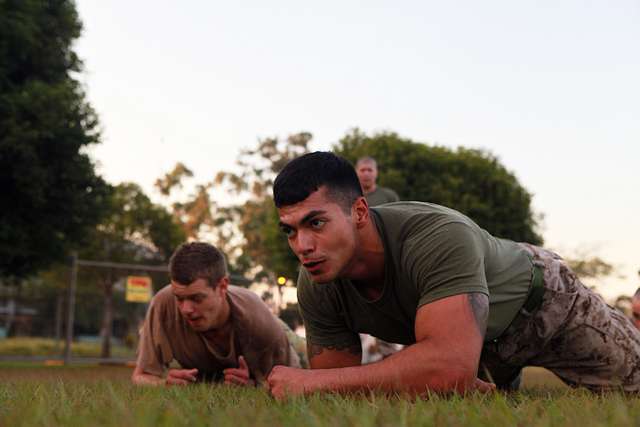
(315, 349)
(480, 307)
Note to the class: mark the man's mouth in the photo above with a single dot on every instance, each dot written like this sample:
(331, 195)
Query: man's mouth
(193, 320)
(312, 266)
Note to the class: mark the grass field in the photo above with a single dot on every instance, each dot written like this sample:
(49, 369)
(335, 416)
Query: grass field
(29, 346)
(89, 395)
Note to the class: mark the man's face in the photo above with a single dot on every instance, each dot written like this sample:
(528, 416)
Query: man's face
(635, 311)
(200, 305)
(367, 174)
(321, 234)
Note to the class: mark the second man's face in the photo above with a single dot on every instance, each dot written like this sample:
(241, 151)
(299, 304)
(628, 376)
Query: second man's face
(321, 234)
(200, 305)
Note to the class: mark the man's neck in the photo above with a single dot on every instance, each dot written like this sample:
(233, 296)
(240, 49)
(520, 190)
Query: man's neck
(370, 189)
(367, 268)
(220, 335)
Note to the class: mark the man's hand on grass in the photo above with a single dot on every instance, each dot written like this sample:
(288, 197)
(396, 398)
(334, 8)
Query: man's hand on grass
(482, 386)
(284, 382)
(239, 375)
(181, 376)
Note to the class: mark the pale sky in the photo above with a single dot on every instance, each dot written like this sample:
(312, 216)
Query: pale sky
(550, 87)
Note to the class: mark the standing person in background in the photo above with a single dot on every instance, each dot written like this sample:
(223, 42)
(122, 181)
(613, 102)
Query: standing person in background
(367, 170)
(374, 349)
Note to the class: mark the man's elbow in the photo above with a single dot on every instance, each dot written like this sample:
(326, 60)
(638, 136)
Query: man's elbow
(136, 378)
(458, 378)
(140, 378)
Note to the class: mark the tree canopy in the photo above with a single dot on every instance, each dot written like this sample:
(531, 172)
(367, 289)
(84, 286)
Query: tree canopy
(264, 245)
(134, 229)
(471, 181)
(51, 195)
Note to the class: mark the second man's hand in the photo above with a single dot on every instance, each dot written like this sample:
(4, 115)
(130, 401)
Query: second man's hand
(240, 375)
(181, 376)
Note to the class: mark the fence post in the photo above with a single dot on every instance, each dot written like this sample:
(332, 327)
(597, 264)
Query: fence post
(71, 307)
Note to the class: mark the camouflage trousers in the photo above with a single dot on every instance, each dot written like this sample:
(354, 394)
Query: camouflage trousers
(297, 347)
(574, 334)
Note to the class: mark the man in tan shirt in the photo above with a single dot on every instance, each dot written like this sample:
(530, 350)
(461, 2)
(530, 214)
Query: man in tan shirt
(214, 330)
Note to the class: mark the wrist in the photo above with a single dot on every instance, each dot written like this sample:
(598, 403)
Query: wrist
(315, 381)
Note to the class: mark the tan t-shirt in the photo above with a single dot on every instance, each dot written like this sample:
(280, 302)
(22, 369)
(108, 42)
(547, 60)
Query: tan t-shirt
(256, 334)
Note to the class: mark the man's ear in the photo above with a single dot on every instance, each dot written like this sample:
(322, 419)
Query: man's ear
(360, 212)
(223, 284)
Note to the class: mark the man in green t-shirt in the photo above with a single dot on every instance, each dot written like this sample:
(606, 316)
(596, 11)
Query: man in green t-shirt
(466, 304)
(367, 170)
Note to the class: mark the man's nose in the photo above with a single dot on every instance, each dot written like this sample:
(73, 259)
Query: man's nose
(186, 307)
(305, 244)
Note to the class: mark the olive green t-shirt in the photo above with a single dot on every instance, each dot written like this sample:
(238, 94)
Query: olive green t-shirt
(380, 196)
(430, 252)
(256, 334)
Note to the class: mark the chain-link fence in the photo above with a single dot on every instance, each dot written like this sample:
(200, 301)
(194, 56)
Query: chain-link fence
(105, 310)
(34, 314)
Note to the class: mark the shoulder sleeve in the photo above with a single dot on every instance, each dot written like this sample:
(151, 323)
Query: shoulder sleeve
(446, 262)
(154, 351)
(279, 351)
(260, 334)
(320, 310)
(393, 196)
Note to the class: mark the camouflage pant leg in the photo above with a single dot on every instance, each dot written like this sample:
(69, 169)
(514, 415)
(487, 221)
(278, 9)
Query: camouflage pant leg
(575, 334)
(386, 349)
(297, 345)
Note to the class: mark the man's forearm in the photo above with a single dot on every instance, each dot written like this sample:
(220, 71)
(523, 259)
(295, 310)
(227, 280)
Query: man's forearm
(147, 379)
(415, 370)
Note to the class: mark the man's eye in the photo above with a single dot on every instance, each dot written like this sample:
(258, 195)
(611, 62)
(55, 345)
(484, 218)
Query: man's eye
(317, 223)
(287, 230)
(197, 299)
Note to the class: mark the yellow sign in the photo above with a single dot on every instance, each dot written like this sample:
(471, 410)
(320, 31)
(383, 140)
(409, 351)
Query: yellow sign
(138, 289)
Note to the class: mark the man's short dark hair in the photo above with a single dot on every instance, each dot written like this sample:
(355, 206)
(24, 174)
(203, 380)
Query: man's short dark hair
(306, 174)
(197, 260)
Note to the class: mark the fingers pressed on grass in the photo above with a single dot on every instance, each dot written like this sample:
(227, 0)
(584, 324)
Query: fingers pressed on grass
(236, 372)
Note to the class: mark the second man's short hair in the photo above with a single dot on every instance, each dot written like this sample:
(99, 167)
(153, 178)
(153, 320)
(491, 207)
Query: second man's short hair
(197, 260)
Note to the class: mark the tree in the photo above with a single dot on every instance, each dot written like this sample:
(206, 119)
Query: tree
(256, 215)
(134, 230)
(590, 266)
(471, 181)
(51, 195)
(194, 213)
(245, 230)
